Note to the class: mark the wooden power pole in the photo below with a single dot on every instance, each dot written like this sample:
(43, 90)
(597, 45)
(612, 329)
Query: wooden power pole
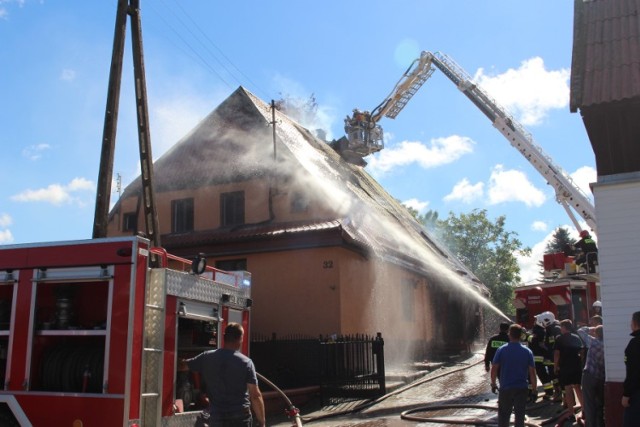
(105, 174)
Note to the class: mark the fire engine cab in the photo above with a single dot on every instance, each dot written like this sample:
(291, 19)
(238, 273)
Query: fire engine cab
(565, 292)
(91, 333)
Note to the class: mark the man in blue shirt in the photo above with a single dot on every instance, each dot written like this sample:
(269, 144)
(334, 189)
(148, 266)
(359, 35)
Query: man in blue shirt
(515, 364)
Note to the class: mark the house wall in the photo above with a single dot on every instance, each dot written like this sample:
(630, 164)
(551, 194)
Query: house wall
(296, 292)
(617, 202)
(207, 205)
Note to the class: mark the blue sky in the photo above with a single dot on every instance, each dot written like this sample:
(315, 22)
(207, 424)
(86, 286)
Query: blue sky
(440, 152)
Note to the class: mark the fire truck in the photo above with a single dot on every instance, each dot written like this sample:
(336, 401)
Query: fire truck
(566, 293)
(91, 332)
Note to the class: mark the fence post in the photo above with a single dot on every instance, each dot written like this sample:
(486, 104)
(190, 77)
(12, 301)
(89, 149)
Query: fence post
(378, 350)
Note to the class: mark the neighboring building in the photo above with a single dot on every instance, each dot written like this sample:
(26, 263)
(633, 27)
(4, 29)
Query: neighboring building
(605, 87)
(330, 252)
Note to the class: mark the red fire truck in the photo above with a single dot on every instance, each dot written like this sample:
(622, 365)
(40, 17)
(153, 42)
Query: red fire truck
(564, 292)
(90, 332)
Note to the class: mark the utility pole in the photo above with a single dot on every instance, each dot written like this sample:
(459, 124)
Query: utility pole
(105, 174)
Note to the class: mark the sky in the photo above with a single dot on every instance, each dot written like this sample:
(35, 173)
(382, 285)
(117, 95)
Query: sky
(441, 152)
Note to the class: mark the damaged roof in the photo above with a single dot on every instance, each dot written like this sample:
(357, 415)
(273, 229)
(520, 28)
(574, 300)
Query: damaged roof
(235, 143)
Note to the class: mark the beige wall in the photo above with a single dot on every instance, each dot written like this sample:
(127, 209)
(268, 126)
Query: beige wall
(207, 205)
(296, 292)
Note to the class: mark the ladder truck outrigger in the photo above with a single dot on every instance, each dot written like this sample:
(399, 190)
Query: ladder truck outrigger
(365, 135)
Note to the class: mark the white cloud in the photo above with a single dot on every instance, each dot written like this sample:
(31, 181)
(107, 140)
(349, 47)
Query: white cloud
(56, 194)
(34, 152)
(539, 226)
(583, 177)
(439, 152)
(530, 91)
(530, 271)
(5, 235)
(416, 204)
(511, 186)
(5, 220)
(68, 75)
(466, 192)
(3, 13)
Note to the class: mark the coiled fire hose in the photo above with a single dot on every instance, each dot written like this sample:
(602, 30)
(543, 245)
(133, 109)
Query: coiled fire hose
(291, 411)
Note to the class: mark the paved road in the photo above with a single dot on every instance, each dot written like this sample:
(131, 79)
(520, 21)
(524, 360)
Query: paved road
(464, 383)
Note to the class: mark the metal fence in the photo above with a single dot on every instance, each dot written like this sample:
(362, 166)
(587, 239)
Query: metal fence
(345, 367)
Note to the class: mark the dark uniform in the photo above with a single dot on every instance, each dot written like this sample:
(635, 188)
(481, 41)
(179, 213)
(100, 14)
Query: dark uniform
(552, 332)
(589, 253)
(537, 346)
(631, 385)
(495, 342)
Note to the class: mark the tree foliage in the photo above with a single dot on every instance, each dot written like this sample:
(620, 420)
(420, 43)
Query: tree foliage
(488, 250)
(560, 241)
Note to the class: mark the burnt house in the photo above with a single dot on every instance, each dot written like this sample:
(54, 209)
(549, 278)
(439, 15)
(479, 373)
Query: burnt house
(329, 250)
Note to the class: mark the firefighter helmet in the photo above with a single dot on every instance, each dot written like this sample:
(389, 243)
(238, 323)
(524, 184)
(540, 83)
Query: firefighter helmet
(584, 233)
(597, 304)
(546, 319)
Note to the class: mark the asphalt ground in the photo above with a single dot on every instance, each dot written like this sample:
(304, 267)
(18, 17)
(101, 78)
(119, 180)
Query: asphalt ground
(461, 382)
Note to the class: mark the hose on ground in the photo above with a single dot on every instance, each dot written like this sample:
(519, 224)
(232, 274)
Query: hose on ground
(292, 411)
(406, 415)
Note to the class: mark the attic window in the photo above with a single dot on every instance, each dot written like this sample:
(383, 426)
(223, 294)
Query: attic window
(232, 208)
(130, 222)
(182, 215)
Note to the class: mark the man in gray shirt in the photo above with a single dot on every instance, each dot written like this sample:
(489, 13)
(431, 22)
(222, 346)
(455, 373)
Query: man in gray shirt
(232, 386)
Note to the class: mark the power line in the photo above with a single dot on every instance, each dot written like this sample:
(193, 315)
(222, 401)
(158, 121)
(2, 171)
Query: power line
(203, 60)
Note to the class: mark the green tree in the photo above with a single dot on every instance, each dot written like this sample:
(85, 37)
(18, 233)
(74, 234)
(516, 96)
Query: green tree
(559, 241)
(488, 250)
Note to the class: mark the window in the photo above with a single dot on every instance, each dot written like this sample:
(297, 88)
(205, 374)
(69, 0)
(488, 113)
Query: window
(181, 215)
(130, 222)
(239, 264)
(299, 203)
(232, 208)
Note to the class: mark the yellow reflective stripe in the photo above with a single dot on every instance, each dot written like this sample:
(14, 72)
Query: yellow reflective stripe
(497, 344)
(547, 386)
(538, 359)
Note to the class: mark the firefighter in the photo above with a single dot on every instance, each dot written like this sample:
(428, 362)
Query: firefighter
(537, 346)
(597, 308)
(552, 331)
(495, 342)
(589, 252)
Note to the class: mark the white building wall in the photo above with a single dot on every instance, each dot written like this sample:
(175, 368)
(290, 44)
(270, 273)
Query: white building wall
(617, 204)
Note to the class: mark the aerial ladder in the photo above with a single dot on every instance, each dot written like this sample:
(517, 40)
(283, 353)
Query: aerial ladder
(366, 136)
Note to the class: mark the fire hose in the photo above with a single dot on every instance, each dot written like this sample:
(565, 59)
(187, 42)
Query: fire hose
(291, 411)
(407, 415)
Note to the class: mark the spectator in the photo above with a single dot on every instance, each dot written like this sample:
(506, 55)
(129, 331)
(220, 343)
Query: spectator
(567, 362)
(593, 382)
(631, 387)
(514, 362)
